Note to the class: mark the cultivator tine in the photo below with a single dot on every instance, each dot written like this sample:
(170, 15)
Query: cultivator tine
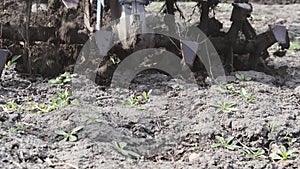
(281, 35)
(3, 58)
(275, 34)
(71, 3)
(189, 49)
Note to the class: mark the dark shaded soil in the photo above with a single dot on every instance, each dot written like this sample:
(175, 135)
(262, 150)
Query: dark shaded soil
(177, 126)
(53, 56)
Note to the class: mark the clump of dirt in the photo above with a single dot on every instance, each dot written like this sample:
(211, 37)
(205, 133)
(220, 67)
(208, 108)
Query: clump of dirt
(174, 128)
(54, 56)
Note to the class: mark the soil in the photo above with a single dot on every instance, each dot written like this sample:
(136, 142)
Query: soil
(174, 129)
(50, 57)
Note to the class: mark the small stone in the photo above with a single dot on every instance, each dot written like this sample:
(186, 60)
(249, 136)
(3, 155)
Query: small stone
(39, 7)
(194, 157)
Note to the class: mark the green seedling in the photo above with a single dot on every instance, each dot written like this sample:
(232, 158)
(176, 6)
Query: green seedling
(146, 94)
(290, 139)
(283, 154)
(225, 88)
(272, 128)
(92, 119)
(11, 106)
(14, 129)
(60, 100)
(220, 88)
(114, 61)
(253, 154)
(69, 135)
(20, 127)
(134, 101)
(45, 108)
(230, 87)
(120, 148)
(225, 143)
(62, 79)
(242, 77)
(39, 108)
(225, 107)
(295, 45)
(246, 96)
(224, 5)
(14, 60)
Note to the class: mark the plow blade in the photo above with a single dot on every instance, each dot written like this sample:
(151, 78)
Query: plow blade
(3, 58)
(275, 34)
(281, 35)
(189, 50)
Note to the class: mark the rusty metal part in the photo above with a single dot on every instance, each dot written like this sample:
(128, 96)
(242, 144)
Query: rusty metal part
(241, 37)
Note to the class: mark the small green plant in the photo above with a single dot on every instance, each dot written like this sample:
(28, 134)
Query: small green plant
(224, 5)
(225, 143)
(272, 127)
(225, 88)
(134, 101)
(146, 94)
(225, 107)
(14, 129)
(289, 138)
(242, 77)
(39, 108)
(14, 60)
(92, 119)
(253, 154)
(283, 154)
(62, 79)
(120, 148)
(60, 100)
(114, 61)
(69, 135)
(220, 87)
(19, 127)
(11, 106)
(295, 45)
(246, 96)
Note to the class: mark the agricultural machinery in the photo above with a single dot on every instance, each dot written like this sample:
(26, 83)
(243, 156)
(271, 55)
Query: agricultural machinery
(240, 39)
